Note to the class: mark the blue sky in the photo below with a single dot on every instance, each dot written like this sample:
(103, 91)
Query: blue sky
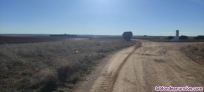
(102, 17)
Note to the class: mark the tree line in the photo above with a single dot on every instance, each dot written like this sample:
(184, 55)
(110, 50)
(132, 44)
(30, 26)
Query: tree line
(186, 37)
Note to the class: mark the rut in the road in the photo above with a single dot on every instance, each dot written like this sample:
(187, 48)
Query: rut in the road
(109, 82)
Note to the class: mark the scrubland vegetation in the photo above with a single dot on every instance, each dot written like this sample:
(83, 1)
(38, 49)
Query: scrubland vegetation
(169, 38)
(46, 66)
(195, 52)
(28, 39)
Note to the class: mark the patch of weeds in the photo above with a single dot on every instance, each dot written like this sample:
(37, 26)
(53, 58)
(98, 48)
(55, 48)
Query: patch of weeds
(159, 60)
(63, 72)
(49, 86)
(74, 79)
(195, 49)
(70, 86)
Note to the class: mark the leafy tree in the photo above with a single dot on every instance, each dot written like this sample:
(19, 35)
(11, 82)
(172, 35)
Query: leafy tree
(170, 37)
(183, 37)
(127, 35)
(199, 37)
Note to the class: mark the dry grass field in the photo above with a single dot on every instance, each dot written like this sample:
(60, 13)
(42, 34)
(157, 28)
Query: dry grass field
(195, 52)
(44, 66)
(28, 39)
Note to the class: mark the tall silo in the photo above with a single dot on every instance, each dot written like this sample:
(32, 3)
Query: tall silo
(176, 38)
(177, 34)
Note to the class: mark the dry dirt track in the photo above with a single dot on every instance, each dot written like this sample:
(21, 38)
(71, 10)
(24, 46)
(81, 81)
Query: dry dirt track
(141, 69)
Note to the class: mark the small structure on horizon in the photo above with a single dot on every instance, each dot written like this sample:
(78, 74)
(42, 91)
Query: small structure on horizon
(64, 35)
(127, 35)
(176, 38)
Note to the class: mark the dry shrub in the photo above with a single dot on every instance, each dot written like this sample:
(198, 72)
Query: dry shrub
(45, 66)
(195, 52)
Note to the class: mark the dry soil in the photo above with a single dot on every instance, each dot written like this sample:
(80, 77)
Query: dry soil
(141, 68)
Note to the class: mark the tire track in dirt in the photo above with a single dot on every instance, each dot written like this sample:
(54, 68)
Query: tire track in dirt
(108, 83)
(113, 80)
(158, 64)
(153, 64)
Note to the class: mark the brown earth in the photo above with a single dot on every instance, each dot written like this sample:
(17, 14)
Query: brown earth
(141, 69)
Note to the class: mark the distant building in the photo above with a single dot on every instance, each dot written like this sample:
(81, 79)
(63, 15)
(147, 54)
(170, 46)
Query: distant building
(176, 38)
(65, 35)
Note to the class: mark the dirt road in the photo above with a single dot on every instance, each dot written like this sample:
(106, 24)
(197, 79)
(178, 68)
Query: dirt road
(141, 69)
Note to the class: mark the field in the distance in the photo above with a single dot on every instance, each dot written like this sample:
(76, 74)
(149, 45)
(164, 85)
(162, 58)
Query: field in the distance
(28, 39)
(46, 66)
(164, 39)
